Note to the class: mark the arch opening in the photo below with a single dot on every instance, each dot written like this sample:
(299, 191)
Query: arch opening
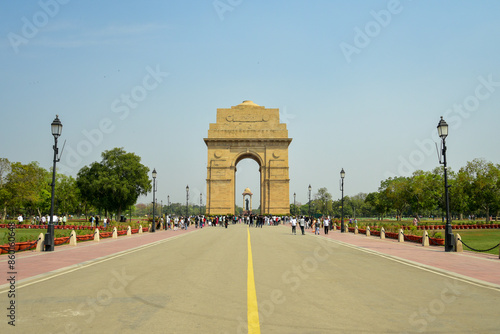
(247, 179)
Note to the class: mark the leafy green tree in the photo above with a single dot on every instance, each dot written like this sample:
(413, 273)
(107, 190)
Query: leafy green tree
(26, 185)
(5, 169)
(424, 192)
(116, 182)
(357, 203)
(397, 192)
(376, 204)
(295, 209)
(482, 184)
(459, 196)
(68, 195)
(323, 201)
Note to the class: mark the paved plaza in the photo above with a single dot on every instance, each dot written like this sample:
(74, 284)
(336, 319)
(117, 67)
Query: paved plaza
(200, 281)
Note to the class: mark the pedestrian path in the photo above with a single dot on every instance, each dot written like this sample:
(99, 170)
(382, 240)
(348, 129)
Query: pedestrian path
(33, 264)
(473, 266)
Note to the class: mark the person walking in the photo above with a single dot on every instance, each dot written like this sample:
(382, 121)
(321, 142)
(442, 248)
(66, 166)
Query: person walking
(326, 225)
(316, 227)
(302, 224)
(293, 222)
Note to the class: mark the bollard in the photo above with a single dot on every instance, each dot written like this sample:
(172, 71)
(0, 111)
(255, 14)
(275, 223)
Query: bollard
(39, 244)
(97, 236)
(129, 231)
(425, 239)
(356, 229)
(458, 247)
(115, 233)
(335, 227)
(368, 231)
(382, 233)
(72, 238)
(401, 236)
(140, 229)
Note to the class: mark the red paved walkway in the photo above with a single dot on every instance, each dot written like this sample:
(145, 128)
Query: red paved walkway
(31, 263)
(484, 267)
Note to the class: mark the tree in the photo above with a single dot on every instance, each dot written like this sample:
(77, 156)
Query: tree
(424, 191)
(5, 170)
(397, 193)
(116, 182)
(68, 195)
(26, 185)
(357, 203)
(323, 201)
(378, 203)
(482, 184)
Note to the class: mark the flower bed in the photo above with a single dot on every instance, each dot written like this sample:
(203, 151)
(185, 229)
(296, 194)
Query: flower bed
(21, 246)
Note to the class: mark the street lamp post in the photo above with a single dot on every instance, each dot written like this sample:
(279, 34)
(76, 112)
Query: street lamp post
(168, 205)
(153, 226)
(448, 233)
(342, 175)
(309, 201)
(56, 128)
(187, 201)
(201, 201)
(294, 205)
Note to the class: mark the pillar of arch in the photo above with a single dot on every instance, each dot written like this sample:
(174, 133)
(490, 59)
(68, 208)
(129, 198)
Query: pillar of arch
(247, 131)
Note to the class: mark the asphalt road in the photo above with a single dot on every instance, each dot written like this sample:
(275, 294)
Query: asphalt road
(197, 283)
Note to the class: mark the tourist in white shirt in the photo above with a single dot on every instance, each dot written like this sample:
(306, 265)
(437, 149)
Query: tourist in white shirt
(326, 225)
(293, 222)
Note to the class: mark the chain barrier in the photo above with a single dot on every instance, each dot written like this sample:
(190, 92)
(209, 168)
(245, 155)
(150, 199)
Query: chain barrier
(34, 243)
(478, 250)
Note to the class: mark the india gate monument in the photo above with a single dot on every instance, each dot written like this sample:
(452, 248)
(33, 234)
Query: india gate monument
(248, 131)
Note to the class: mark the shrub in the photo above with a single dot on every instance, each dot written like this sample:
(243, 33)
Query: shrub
(437, 235)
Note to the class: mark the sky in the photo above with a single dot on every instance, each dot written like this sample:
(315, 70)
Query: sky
(361, 85)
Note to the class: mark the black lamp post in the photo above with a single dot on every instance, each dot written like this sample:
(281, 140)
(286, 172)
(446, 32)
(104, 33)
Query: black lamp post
(56, 128)
(294, 205)
(448, 233)
(153, 227)
(342, 175)
(309, 200)
(201, 201)
(187, 201)
(168, 205)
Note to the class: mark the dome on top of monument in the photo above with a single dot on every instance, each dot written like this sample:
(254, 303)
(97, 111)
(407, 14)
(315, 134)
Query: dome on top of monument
(248, 103)
(247, 192)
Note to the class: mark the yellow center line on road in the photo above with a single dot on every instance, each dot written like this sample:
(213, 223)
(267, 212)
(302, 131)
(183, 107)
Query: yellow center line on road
(252, 307)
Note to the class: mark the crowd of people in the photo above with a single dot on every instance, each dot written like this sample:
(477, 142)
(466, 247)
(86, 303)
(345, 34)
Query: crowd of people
(43, 220)
(316, 224)
(180, 222)
(176, 222)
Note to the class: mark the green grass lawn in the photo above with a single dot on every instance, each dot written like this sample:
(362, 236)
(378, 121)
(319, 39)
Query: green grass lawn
(481, 239)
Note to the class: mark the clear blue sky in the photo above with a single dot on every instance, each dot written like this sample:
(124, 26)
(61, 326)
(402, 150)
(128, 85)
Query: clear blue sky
(361, 84)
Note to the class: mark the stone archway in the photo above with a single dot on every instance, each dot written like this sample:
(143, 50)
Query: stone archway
(247, 131)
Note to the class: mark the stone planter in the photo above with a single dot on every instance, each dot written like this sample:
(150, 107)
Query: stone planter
(436, 241)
